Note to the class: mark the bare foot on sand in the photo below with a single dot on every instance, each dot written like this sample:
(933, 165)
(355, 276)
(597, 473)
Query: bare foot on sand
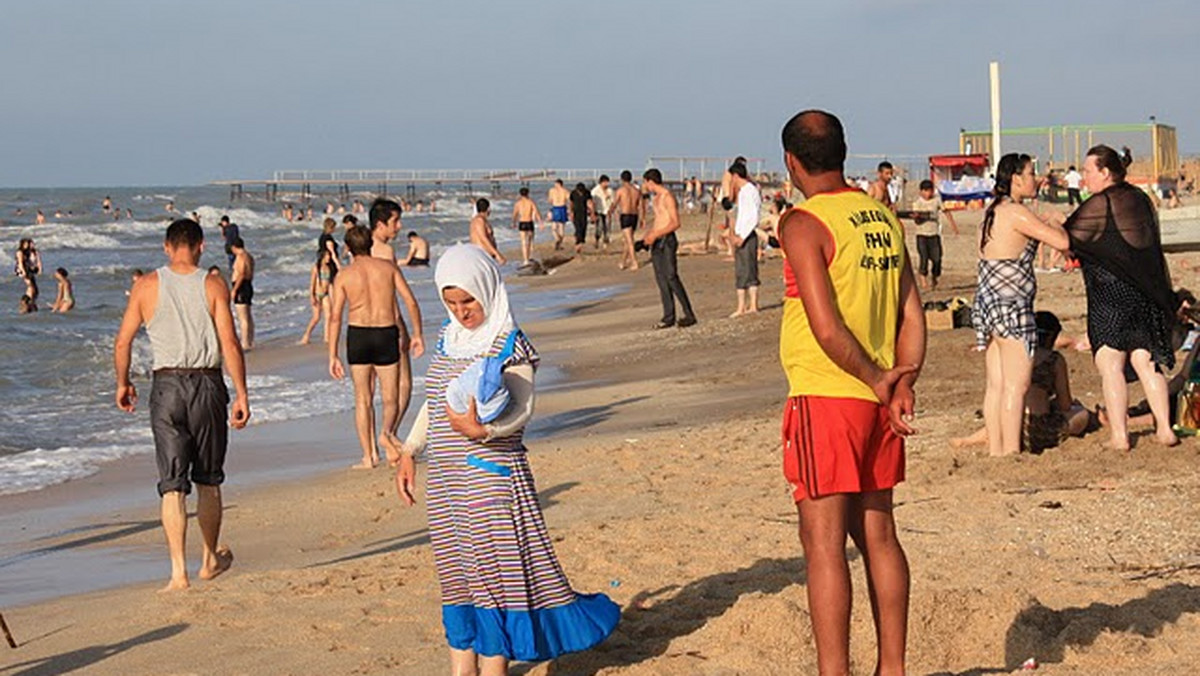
(175, 585)
(365, 464)
(735, 314)
(223, 560)
(1168, 441)
(391, 447)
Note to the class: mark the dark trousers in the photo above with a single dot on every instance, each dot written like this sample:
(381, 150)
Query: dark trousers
(1073, 196)
(666, 273)
(602, 227)
(581, 231)
(929, 252)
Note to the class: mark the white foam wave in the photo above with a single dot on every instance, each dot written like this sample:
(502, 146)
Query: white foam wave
(62, 236)
(39, 468)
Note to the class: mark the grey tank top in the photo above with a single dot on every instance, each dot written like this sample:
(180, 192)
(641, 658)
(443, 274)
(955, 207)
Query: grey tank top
(182, 333)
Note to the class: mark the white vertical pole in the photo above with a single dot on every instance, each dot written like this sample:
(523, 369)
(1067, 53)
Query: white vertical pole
(995, 80)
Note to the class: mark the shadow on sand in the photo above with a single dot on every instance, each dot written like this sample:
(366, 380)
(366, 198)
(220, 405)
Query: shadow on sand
(419, 537)
(645, 634)
(577, 419)
(87, 657)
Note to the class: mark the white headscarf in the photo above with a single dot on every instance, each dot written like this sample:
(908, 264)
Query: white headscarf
(469, 268)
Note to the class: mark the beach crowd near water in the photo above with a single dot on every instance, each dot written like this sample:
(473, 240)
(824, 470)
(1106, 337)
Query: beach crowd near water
(852, 338)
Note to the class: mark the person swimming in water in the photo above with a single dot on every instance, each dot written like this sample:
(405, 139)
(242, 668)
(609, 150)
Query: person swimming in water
(65, 299)
(418, 251)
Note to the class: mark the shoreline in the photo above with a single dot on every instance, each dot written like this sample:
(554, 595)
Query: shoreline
(660, 479)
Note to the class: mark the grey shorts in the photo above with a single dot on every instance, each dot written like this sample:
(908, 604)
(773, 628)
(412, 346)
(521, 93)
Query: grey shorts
(745, 263)
(189, 418)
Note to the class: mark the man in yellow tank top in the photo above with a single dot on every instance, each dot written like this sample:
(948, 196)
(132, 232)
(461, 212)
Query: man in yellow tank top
(852, 342)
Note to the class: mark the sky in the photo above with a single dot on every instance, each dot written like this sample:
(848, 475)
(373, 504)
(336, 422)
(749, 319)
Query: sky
(169, 92)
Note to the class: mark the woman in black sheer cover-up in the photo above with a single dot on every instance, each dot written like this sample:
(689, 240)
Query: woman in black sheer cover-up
(1131, 308)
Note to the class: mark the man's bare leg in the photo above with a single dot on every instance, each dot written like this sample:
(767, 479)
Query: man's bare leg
(526, 246)
(979, 438)
(174, 521)
(753, 293)
(216, 559)
(628, 253)
(1017, 367)
(874, 532)
(1157, 395)
(823, 525)
(392, 391)
(493, 666)
(557, 229)
(1111, 365)
(247, 330)
(741, 304)
(363, 376)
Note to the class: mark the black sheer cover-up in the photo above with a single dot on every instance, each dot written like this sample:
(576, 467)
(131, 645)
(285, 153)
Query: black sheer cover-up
(1131, 306)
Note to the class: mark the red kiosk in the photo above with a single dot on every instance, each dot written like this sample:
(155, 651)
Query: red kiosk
(961, 180)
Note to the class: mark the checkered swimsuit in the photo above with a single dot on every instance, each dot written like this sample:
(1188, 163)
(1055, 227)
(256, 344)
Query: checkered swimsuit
(1004, 299)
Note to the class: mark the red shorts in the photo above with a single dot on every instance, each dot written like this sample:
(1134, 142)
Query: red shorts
(834, 445)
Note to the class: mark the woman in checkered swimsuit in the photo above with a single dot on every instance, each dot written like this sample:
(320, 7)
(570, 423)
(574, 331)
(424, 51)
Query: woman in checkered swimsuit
(1003, 311)
(504, 595)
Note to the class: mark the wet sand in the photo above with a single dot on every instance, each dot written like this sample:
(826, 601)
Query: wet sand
(659, 469)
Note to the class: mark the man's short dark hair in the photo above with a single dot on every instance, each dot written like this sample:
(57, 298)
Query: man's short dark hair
(1071, 168)
(358, 240)
(603, 178)
(524, 191)
(739, 160)
(558, 181)
(817, 140)
(482, 204)
(653, 175)
(627, 176)
(382, 210)
(412, 233)
(184, 232)
(237, 243)
(225, 219)
(350, 218)
(927, 185)
(884, 165)
(738, 169)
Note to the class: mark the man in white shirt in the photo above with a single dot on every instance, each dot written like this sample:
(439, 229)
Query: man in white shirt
(1073, 179)
(744, 240)
(602, 203)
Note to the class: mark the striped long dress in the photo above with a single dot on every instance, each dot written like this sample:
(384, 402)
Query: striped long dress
(503, 591)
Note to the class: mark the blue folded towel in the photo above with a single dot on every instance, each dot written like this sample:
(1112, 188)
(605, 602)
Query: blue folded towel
(484, 381)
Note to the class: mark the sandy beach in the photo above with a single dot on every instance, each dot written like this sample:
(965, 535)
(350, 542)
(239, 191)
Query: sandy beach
(658, 463)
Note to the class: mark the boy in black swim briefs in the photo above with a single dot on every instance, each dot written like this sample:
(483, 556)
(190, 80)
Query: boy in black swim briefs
(366, 290)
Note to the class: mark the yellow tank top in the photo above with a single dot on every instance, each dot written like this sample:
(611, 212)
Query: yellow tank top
(868, 259)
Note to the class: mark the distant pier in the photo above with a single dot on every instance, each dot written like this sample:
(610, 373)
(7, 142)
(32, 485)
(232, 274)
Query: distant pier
(675, 171)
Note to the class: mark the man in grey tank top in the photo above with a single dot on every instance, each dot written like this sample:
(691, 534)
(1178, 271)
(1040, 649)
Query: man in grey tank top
(187, 317)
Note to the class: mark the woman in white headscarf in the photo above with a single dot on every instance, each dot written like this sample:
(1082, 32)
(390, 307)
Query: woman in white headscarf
(504, 595)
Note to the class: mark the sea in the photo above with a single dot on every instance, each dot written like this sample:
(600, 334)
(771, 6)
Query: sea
(58, 420)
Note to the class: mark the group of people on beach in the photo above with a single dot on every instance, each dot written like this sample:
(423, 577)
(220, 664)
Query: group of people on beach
(852, 346)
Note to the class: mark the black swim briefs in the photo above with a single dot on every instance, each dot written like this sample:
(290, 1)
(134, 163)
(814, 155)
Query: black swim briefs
(629, 221)
(189, 419)
(376, 345)
(244, 293)
(525, 226)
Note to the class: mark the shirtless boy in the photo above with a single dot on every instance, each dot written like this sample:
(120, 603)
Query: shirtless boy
(879, 187)
(384, 217)
(418, 251)
(525, 214)
(243, 290)
(482, 235)
(374, 340)
(186, 315)
(558, 197)
(629, 208)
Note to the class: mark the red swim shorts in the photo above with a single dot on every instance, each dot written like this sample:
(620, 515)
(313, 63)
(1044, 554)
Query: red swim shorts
(834, 445)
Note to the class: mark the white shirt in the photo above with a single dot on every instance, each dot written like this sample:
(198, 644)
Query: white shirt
(1073, 179)
(749, 202)
(603, 199)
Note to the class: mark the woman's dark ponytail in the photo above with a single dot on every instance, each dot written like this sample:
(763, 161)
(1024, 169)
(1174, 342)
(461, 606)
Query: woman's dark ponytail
(1009, 166)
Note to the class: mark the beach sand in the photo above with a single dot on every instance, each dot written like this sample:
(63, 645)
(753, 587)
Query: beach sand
(658, 463)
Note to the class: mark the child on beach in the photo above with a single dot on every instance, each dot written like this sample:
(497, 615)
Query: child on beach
(1003, 310)
(504, 595)
(65, 300)
(929, 234)
(1051, 414)
(319, 284)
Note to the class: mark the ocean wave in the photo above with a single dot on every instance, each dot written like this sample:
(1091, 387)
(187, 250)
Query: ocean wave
(33, 470)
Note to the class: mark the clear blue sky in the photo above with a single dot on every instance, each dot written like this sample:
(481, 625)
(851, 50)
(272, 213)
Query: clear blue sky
(159, 92)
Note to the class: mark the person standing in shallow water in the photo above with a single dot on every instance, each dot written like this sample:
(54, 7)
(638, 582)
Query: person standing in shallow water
(186, 315)
(504, 594)
(851, 343)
